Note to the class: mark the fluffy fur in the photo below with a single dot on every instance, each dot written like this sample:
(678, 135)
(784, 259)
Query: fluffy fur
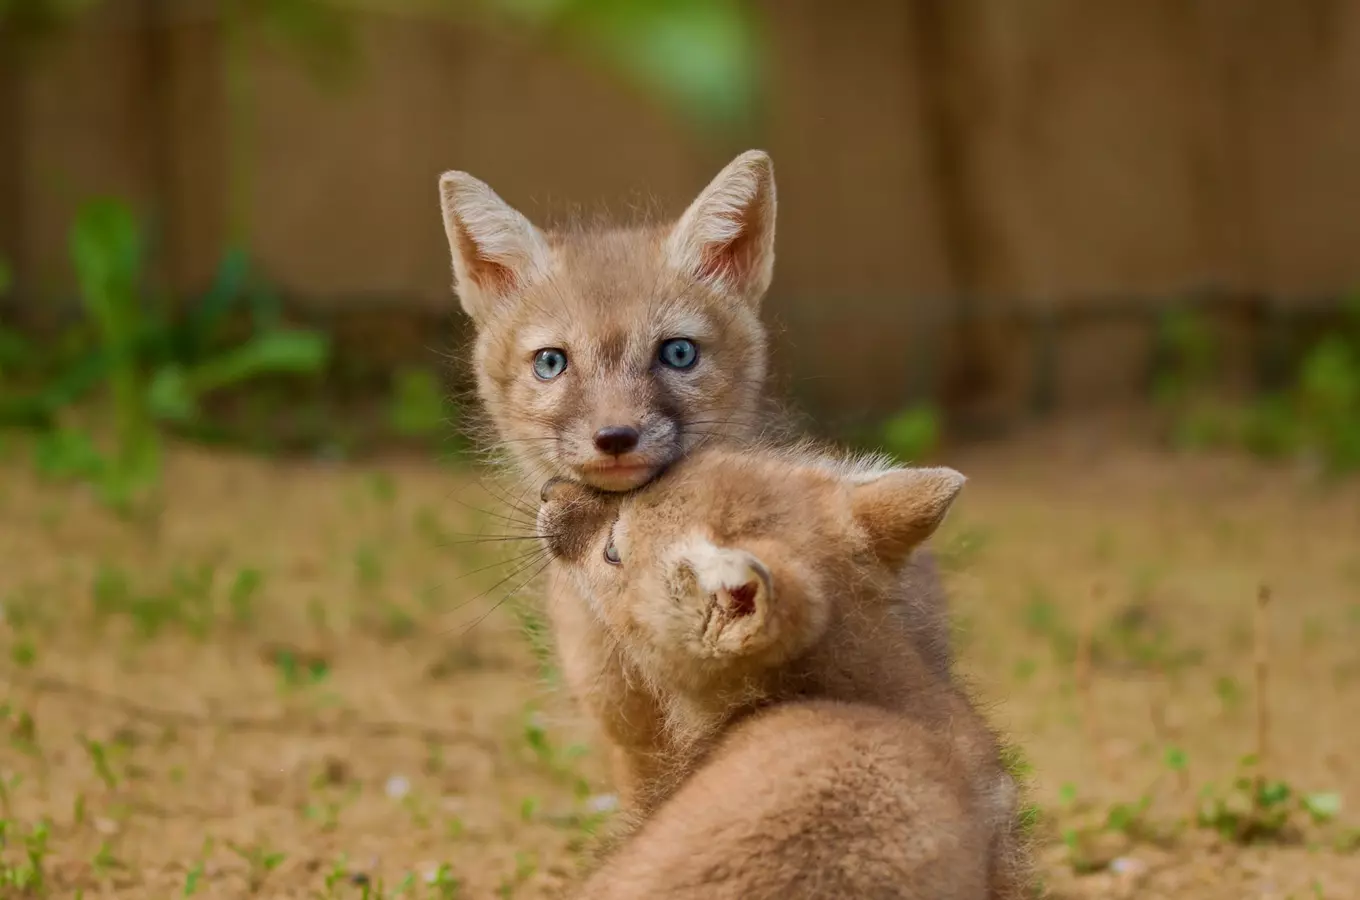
(810, 800)
(748, 580)
(607, 297)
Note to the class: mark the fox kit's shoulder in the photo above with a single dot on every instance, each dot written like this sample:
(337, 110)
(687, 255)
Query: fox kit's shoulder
(604, 354)
(791, 795)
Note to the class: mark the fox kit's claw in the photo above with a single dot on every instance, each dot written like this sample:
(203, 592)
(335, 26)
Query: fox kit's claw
(546, 493)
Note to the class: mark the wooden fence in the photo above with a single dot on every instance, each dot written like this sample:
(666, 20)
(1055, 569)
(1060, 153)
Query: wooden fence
(963, 185)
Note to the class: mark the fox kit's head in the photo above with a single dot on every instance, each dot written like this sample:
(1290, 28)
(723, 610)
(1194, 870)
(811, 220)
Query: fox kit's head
(739, 561)
(603, 356)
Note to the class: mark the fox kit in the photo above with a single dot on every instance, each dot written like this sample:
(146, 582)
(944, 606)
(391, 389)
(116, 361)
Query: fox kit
(809, 800)
(603, 356)
(747, 579)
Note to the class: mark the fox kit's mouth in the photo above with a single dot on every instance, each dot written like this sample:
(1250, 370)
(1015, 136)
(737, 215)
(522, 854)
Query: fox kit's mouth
(618, 475)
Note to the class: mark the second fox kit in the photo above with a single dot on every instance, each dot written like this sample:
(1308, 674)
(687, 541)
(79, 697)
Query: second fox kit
(603, 356)
(744, 582)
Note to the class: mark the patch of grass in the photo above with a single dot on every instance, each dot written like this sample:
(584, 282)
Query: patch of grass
(194, 665)
(1256, 809)
(1317, 417)
(260, 860)
(158, 367)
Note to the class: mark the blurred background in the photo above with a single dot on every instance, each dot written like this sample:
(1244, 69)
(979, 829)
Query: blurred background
(1129, 227)
(1000, 211)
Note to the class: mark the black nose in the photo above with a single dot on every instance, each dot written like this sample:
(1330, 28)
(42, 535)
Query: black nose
(616, 439)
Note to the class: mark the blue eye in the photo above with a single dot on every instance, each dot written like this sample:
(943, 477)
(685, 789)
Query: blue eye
(549, 363)
(678, 353)
(611, 554)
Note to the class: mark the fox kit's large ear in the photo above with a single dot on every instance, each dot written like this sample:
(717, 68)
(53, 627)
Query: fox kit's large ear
(496, 251)
(726, 237)
(902, 507)
(735, 590)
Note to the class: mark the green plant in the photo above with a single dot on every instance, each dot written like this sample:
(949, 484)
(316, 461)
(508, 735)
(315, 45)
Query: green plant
(1185, 356)
(260, 860)
(1255, 808)
(106, 248)
(298, 671)
(1328, 401)
(28, 877)
(159, 366)
(241, 596)
(912, 434)
(419, 408)
(1317, 415)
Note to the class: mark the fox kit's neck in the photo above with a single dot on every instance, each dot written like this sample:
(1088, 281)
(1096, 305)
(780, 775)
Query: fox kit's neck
(605, 355)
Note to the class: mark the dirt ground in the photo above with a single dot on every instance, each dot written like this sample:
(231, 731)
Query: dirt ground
(296, 682)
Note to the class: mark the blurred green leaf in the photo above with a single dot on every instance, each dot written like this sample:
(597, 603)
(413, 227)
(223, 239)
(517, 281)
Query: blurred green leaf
(419, 408)
(912, 433)
(320, 33)
(227, 289)
(175, 391)
(1273, 793)
(15, 350)
(106, 247)
(1176, 760)
(701, 55)
(272, 352)
(1322, 807)
(169, 397)
(39, 408)
(67, 453)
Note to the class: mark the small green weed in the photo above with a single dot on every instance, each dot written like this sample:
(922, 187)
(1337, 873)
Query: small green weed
(28, 876)
(298, 670)
(1257, 809)
(260, 860)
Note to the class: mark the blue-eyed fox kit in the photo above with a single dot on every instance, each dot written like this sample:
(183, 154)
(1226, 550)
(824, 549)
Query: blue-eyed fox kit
(602, 356)
(755, 592)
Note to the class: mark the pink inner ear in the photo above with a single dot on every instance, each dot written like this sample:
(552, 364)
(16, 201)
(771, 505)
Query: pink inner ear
(724, 261)
(489, 275)
(743, 599)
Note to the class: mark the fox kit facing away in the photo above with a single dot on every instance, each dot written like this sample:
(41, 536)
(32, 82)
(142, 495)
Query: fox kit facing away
(604, 356)
(740, 587)
(813, 800)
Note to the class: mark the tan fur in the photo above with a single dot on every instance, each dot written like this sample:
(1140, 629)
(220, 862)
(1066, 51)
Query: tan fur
(812, 799)
(754, 578)
(608, 297)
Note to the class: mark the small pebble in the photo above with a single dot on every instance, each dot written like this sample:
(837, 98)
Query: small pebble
(602, 803)
(397, 787)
